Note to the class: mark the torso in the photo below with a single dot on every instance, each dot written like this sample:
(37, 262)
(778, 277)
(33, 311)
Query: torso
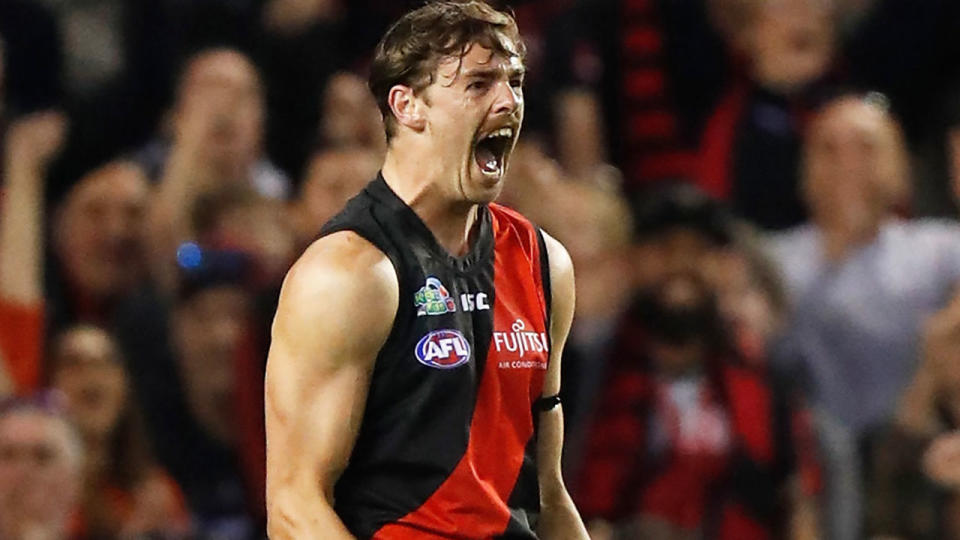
(446, 448)
(857, 322)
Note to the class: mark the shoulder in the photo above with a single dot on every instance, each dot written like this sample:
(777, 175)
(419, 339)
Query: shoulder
(339, 255)
(796, 255)
(340, 277)
(562, 289)
(928, 231)
(781, 245)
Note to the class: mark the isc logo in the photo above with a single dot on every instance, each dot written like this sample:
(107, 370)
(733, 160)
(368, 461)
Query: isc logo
(443, 349)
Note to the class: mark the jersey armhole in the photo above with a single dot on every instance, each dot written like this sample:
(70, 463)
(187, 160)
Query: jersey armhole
(545, 281)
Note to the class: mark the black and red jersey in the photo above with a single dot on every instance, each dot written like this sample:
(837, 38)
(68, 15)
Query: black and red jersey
(447, 444)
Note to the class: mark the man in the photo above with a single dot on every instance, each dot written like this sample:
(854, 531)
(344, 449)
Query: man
(99, 242)
(30, 145)
(41, 472)
(860, 282)
(411, 380)
(334, 176)
(672, 451)
(216, 129)
(213, 142)
(201, 401)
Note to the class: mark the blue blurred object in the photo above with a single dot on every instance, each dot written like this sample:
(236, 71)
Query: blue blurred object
(202, 268)
(189, 256)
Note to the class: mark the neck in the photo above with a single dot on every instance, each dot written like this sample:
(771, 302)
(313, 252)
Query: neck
(840, 239)
(677, 361)
(422, 186)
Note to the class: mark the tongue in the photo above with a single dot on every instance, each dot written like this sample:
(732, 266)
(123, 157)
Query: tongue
(486, 160)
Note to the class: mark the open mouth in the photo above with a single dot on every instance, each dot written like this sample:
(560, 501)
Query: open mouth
(490, 151)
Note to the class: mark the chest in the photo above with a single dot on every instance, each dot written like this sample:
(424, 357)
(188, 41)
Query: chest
(461, 329)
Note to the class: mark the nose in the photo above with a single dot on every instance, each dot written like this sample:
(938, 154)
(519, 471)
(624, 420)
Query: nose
(508, 100)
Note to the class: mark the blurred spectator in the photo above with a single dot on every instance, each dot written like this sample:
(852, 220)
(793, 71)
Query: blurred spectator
(41, 471)
(717, 457)
(677, 229)
(594, 224)
(30, 145)
(533, 179)
(631, 81)
(718, 452)
(750, 293)
(914, 468)
(350, 116)
(860, 282)
(215, 143)
(304, 43)
(750, 149)
(99, 245)
(333, 177)
(6, 383)
(207, 416)
(937, 158)
(240, 220)
(125, 494)
(215, 132)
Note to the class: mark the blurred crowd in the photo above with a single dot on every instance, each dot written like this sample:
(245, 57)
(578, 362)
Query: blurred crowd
(759, 197)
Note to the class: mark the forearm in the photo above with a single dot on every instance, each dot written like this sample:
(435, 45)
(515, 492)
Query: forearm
(169, 219)
(21, 245)
(558, 515)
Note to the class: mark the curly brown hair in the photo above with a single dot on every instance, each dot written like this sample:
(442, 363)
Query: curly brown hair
(412, 47)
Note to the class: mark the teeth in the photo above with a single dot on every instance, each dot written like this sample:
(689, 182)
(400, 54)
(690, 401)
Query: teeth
(502, 132)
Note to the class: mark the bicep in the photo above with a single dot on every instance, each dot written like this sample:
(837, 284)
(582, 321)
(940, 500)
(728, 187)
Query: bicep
(326, 336)
(561, 317)
(550, 440)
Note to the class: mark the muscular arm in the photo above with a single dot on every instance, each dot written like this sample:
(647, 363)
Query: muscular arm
(559, 517)
(336, 309)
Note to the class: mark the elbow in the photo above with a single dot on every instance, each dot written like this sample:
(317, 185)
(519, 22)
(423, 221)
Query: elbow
(278, 528)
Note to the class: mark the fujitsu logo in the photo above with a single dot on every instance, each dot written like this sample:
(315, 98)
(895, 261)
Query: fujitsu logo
(520, 340)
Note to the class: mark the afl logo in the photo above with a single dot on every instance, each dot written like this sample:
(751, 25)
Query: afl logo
(443, 349)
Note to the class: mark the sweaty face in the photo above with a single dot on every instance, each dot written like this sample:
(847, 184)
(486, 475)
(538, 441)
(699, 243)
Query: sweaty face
(100, 236)
(88, 372)
(39, 471)
(474, 109)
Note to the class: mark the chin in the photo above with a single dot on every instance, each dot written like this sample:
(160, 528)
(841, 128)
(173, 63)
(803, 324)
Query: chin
(484, 192)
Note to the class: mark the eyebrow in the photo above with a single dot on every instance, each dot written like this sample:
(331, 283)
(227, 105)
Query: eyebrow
(491, 73)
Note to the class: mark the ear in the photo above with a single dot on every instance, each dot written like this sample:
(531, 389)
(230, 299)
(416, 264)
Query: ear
(407, 109)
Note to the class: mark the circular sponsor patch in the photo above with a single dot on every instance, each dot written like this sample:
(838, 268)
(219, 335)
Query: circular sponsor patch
(443, 349)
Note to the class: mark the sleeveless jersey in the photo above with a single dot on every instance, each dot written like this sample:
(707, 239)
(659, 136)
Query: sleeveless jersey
(447, 443)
